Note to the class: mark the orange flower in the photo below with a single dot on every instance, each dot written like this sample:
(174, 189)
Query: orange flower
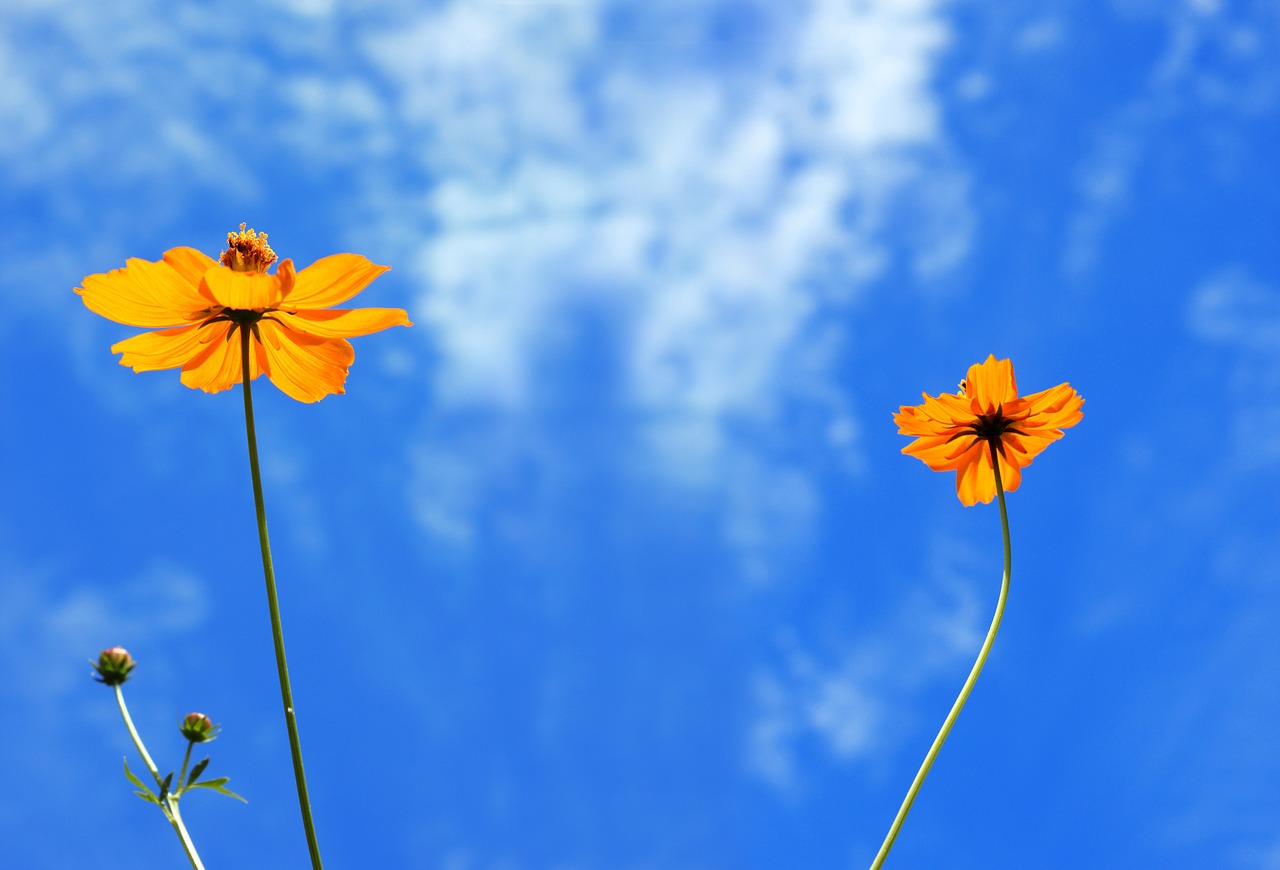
(298, 341)
(956, 429)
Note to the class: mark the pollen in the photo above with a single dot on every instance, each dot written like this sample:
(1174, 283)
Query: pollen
(247, 251)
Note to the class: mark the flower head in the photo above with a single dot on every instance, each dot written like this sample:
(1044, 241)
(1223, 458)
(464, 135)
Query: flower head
(958, 431)
(198, 728)
(114, 666)
(200, 306)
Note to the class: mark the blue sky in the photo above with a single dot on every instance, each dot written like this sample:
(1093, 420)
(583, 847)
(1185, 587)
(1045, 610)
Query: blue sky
(612, 560)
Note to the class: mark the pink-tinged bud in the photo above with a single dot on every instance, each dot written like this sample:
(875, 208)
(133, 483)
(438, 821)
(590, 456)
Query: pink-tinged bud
(114, 666)
(198, 728)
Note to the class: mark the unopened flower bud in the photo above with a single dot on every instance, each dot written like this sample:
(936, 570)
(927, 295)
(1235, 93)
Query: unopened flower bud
(198, 728)
(114, 666)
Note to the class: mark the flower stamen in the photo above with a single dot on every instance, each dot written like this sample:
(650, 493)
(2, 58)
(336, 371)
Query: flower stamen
(247, 251)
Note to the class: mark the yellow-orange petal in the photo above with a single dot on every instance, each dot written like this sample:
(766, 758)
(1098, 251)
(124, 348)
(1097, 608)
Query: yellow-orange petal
(976, 479)
(245, 291)
(189, 263)
(305, 367)
(343, 322)
(990, 385)
(1027, 447)
(941, 452)
(143, 293)
(948, 409)
(932, 450)
(331, 280)
(910, 421)
(1010, 472)
(217, 367)
(969, 477)
(1056, 408)
(167, 349)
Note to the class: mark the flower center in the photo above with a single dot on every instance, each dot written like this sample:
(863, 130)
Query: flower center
(242, 316)
(247, 251)
(989, 427)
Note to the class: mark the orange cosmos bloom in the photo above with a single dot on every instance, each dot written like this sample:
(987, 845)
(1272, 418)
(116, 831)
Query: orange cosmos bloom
(298, 341)
(956, 429)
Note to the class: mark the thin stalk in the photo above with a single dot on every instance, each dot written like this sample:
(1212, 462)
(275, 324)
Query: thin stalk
(277, 632)
(170, 805)
(175, 818)
(133, 733)
(968, 684)
(182, 777)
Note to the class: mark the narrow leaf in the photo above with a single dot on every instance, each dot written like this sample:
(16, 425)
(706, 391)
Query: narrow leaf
(219, 785)
(229, 793)
(148, 797)
(133, 779)
(196, 771)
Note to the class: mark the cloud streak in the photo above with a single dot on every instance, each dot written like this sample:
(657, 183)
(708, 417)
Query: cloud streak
(856, 697)
(719, 184)
(722, 219)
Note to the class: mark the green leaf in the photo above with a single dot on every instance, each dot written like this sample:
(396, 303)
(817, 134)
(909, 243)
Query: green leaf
(133, 779)
(211, 783)
(164, 786)
(219, 785)
(197, 770)
(148, 797)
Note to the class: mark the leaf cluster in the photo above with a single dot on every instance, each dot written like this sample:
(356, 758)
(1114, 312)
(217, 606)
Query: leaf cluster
(218, 784)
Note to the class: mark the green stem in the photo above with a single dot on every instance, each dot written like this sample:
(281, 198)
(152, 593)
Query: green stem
(170, 805)
(968, 684)
(133, 733)
(182, 777)
(277, 633)
(175, 818)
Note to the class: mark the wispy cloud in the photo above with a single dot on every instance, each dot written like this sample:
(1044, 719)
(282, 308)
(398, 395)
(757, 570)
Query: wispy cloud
(719, 184)
(1235, 310)
(1211, 58)
(1213, 751)
(847, 695)
(723, 216)
(54, 628)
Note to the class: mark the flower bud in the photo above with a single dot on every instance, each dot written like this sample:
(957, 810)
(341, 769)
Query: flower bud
(114, 666)
(198, 728)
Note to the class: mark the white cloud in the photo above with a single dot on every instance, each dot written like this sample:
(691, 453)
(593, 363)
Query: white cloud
(724, 215)
(1212, 748)
(54, 630)
(1209, 60)
(846, 697)
(1039, 36)
(973, 86)
(1234, 309)
(722, 206)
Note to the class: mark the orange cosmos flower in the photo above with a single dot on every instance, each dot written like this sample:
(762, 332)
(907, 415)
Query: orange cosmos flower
(956, 429)
(298, 341)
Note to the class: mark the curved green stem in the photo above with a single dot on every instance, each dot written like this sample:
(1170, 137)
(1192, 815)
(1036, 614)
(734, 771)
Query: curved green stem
(133, 733)
(968, 684)
(277, 632)
(170, 804)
